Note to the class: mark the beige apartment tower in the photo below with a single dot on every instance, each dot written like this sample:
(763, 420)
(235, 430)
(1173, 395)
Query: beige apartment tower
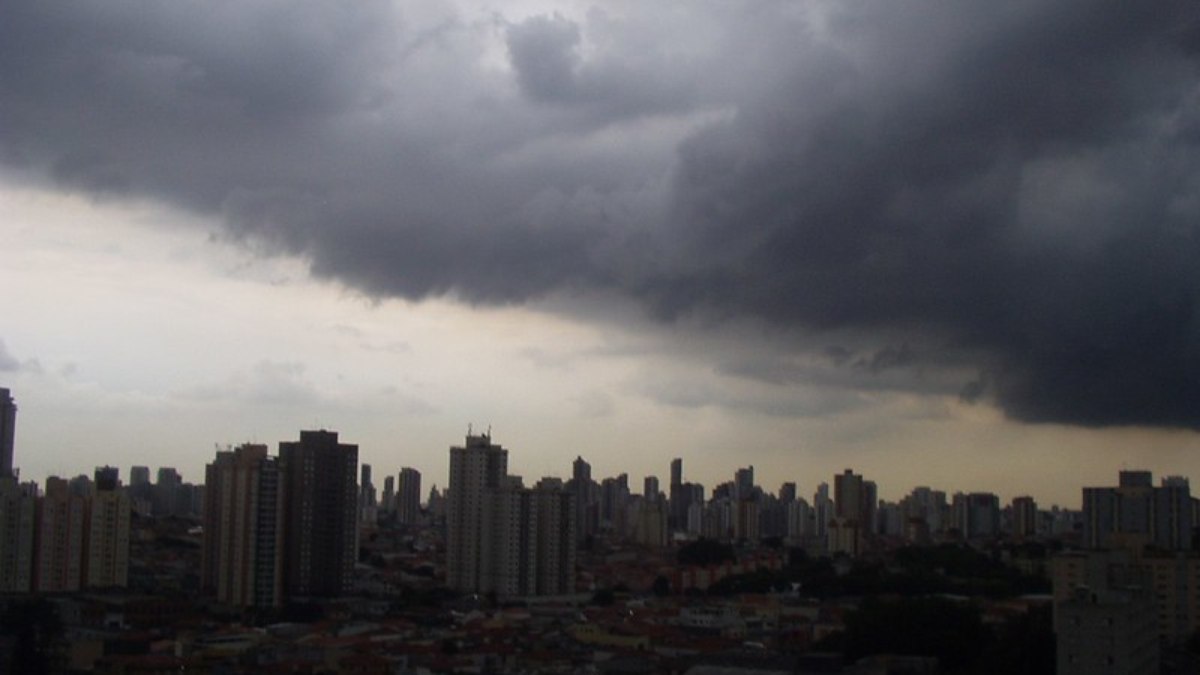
(243, 530)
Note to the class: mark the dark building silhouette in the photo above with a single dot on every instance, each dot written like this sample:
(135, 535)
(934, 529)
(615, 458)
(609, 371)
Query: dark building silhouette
(8, 427)
(321, 514)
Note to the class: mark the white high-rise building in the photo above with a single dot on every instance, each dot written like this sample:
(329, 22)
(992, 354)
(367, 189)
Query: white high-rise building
(503, 538)
(476, 469)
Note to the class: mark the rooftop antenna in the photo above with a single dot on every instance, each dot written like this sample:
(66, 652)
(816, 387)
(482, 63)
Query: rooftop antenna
(469, 425)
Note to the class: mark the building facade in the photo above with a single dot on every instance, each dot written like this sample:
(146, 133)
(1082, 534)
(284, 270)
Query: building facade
(243, 528)
(320, 520)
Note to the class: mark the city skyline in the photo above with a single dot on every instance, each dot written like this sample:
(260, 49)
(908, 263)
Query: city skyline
(942, 246)
(740, 480)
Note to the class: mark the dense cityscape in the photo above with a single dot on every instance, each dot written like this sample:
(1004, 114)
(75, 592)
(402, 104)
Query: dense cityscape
(295, 563)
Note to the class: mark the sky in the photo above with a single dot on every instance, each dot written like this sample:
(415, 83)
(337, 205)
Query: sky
(946, 245)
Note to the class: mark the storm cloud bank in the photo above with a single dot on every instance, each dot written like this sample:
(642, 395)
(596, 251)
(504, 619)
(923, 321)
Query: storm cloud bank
(1012, 187)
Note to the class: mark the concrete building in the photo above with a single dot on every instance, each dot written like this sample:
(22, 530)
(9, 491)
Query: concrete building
(503, 538)
(243, 528)
(1136, 514)
(107, 543)
(976, 515)
(650, 522)
(853, 513)
(59, 539)
(477, 469)
(1024, 518)
(321, 532)
(17, 509)
(1106, 631)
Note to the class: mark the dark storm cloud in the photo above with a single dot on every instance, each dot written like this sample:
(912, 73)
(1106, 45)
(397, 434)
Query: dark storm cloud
(1009, 189)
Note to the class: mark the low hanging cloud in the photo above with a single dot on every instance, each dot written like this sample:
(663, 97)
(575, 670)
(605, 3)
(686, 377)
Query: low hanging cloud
(1011, 188)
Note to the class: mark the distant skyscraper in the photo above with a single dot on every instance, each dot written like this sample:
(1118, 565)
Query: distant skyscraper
(366, 487)
(321, 532)
(1024, 516)
(243, 528)
(743, 484)
(388, 501)
(166, 491)
(584, 491)
(8, 427)
(650, 487)
(676, 471)
(409, 497)
(787, 493)
(853, 513)
(366, 497)
(976, 515)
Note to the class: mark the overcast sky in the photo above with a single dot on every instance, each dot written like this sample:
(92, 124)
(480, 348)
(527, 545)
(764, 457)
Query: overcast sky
(950, 245)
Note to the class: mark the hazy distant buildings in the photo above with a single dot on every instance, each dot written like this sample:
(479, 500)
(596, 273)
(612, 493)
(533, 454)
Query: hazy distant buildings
(320, 515)
(243, 528)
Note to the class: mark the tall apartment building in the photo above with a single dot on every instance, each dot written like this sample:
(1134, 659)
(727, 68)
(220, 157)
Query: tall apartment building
(477, 469)
(555, 537)
(321, 538)
(59, 539)
(853, 513)
(107, 542)
(387, 503)
(503, 538)
(1024, 517)
(17, 506)
(586, 494)
(408, 499)
(976, 515)
(8, 427)
(243, 528)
